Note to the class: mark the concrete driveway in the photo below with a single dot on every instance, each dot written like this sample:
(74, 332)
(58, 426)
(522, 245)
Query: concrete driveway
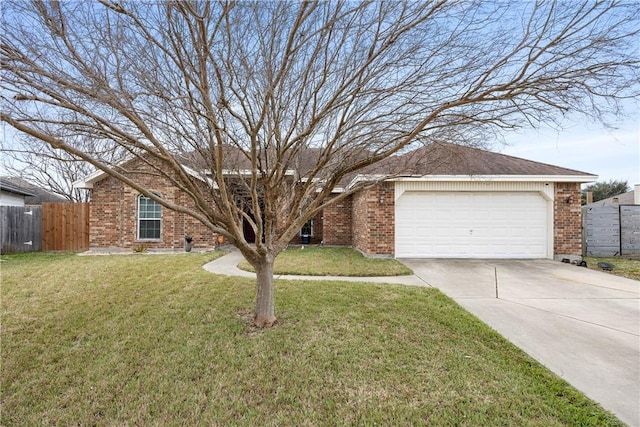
(582, 324)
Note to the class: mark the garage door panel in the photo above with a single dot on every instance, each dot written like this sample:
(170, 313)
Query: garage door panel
(482, 225)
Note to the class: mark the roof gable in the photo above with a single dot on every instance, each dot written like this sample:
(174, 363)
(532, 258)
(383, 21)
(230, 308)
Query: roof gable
(98, 175)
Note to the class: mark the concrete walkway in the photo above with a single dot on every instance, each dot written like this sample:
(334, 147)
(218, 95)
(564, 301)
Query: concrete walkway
(583, 325)
(228, 265)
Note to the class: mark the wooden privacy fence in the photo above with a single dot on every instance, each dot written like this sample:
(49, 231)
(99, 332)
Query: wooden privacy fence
(21, 229)
(65, 226)
(612, 230)
(52, 227)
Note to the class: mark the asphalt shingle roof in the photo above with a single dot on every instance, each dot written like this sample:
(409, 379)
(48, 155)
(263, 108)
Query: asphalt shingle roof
(34, 195)
(435, 158)
(10, 187)
(451, 159)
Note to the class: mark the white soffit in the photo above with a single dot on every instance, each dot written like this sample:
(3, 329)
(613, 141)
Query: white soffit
(546, 189)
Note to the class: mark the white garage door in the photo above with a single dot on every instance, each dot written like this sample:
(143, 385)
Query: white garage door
(471, 225)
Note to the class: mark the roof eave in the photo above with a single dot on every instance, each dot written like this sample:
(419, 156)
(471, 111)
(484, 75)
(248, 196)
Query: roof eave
(19, 192)
(475, 178)
(88, 182)
(500, 178)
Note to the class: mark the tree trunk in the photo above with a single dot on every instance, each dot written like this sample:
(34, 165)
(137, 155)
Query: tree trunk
(265, 315)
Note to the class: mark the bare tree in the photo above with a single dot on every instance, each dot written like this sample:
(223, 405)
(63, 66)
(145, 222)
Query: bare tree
(353, 83)
(48, 168)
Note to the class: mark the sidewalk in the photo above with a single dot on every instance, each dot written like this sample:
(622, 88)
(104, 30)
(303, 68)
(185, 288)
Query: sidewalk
(228, 265)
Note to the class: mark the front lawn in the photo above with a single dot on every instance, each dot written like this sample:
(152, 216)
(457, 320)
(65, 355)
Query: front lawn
(156, 340)
(326, 261)
(629, 268)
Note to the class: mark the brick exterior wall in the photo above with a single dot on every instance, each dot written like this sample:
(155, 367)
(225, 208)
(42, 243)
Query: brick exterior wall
(374, 220)
(374, 215)
(337, 223)
(113, 216)
(317, 236)
(365, 220)
(567, 219)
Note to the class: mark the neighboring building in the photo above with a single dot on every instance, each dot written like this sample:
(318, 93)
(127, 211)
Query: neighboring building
(13, 195)
(38, 194)
(629, 198)
(455, 202)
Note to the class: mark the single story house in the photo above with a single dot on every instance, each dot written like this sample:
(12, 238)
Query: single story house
(12, 194)
(457, 202)
(37, 195)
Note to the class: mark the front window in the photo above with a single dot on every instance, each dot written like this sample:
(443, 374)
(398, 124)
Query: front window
(307, 229)
(149, 213)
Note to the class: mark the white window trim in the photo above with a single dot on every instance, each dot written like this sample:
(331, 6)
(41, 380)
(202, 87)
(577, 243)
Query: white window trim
(138, 219)
(311, 222)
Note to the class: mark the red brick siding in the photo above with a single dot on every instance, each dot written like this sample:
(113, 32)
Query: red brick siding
(567, 220)
(113, 216)
(374, 220)
(317, 231)
(336, 223)
(105, 214)
(364, 220)
(373, 216)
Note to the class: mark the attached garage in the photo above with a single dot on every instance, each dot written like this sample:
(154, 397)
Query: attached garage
(453, 201)
(474, 224)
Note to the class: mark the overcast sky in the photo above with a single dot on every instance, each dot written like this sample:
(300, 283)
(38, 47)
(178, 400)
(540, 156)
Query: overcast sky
(610, 154)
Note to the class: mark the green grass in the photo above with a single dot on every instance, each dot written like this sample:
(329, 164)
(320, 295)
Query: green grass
(156, 340)
(324, 261)
(629, 268)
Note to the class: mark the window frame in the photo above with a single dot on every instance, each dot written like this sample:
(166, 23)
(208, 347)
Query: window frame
(309, 223)
(139, 219)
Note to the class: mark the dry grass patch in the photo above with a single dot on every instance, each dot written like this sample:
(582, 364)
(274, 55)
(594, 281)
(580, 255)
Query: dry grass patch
(324, 261)
(156, 340)
(629, 268)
